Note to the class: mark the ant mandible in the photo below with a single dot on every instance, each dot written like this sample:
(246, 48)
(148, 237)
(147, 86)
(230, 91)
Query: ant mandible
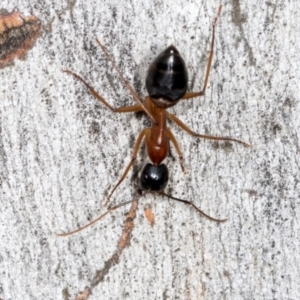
(166, 83)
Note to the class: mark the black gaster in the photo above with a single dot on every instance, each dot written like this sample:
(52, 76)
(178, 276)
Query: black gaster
(167, 78)
(154, 178)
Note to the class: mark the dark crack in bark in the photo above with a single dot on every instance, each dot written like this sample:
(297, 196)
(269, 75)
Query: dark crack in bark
(17, 35)
(123, 242)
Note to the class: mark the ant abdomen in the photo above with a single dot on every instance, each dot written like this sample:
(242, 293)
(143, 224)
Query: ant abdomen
(167, 78)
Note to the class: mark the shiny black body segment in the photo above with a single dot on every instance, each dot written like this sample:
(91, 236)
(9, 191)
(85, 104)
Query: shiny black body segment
(167, 78)
(154, 178)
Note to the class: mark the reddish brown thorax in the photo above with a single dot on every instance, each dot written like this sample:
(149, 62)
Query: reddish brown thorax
(156, 138)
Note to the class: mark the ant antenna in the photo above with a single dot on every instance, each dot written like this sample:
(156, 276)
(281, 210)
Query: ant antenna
(192, 204)
(140, 194)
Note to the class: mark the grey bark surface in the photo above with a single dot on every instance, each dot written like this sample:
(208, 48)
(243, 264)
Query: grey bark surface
(61, 152)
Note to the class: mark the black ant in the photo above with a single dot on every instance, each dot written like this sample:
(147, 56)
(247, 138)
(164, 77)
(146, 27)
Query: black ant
(166, 83)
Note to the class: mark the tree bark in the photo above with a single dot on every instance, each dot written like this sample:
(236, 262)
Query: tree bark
(62, 152)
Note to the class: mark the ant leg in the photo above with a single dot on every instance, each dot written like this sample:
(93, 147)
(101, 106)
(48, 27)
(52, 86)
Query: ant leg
(174, 141)
(128, 86)
(209, 62)
(134, 155)
(210, 137)
(134, 108)
(194, 206)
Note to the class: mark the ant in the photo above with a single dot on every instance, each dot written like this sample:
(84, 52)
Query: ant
(166, 83)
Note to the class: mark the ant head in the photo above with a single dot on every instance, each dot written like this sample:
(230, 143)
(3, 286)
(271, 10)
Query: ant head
(167, 78)
(154, 178)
